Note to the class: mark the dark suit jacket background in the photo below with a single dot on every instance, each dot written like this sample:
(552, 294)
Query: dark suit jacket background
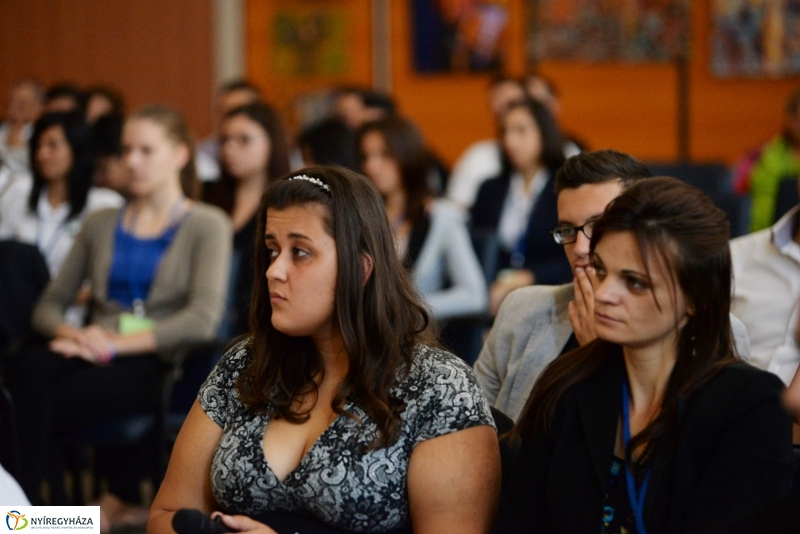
(732, 457)
(543, 256)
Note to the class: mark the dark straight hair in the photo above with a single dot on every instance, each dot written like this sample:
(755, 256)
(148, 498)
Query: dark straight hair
(381, 320)
(406, 147)
(678, 225)
(599, 167)
(223, 192)
(80, 174)
(552, 155)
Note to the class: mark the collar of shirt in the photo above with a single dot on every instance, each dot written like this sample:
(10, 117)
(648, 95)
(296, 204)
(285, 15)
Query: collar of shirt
(49, 214)
(783, 234)
(518, 205)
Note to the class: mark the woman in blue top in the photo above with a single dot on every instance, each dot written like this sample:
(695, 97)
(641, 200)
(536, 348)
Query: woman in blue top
(656, 426)
(158, 270)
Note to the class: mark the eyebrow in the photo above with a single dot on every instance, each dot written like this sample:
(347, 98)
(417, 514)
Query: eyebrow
(594, 217)
(628, 272)
(292, 235)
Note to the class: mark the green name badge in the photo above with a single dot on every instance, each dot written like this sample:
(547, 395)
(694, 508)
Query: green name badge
(132, 324)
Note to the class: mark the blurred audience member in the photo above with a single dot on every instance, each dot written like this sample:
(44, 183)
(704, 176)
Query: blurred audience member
(158, 269)
(231, 95)
(482, 160)
(110, 169)
(357, 106)
(65, 97)
(430, 235)
(541, 89)
(49, 211)
(761, 171)
(10, 492)
(328, 142)
(25, 101)
(253, 151)
(102, 100)
(766, 268)
(520, 203)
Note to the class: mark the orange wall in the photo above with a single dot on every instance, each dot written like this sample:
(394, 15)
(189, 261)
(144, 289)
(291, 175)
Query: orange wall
(283, 90)
(151, 50)
(628, 107)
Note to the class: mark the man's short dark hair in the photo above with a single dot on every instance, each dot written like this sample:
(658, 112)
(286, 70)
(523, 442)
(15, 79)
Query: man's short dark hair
(599, 167)
(378, 100)
(239, 84)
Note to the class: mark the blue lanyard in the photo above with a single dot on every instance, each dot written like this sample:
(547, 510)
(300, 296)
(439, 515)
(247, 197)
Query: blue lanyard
(636, 498)
(138, 291)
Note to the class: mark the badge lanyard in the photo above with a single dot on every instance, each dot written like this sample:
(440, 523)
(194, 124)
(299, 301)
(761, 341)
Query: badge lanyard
(636, 498)
(137, 290)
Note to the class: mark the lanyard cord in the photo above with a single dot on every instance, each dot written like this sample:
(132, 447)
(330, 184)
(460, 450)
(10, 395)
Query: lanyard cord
(636, 498)
(137, 291)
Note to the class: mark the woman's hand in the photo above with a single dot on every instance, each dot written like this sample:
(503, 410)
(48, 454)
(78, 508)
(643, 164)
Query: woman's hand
(242, 523)
(99, 341)
(581, 310)
(506, 282)
(71, 349)
(93, 343)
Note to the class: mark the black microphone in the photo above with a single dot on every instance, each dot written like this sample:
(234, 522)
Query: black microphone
(191, 521)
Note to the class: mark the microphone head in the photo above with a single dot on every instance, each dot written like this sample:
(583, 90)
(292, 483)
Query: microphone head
(190, 521)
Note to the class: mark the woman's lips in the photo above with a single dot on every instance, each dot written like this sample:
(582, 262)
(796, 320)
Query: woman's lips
(605, 318)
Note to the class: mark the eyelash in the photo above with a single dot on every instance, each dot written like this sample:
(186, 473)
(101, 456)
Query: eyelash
(296, 252)
(636, 284)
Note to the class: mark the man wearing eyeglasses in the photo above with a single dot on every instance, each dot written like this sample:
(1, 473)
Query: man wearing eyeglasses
(537, 323)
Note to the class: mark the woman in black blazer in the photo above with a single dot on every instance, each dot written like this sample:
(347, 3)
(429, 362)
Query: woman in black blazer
(656, 427)
(520, 204)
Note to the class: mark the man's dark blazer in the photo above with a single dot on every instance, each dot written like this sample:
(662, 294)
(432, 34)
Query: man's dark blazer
(543, 256)
(732, 456)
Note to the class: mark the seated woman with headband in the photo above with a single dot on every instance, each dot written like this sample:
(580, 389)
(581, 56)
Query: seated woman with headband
(339, 406)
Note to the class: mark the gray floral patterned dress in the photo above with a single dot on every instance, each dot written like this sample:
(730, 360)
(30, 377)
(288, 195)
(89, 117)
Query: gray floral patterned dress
(336, 481)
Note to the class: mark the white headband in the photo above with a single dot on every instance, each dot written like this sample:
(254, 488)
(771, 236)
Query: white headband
(315, 181)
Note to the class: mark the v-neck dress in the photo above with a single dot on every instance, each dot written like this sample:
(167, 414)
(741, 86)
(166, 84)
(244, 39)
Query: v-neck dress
(336, 481)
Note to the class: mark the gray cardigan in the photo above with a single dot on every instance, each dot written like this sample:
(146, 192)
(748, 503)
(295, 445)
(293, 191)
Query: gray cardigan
(186, 297)
(529, 332)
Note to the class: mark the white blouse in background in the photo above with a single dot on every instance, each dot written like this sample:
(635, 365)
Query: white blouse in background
(48, 227)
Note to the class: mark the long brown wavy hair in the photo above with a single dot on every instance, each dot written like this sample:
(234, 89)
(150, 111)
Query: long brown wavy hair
(405, 145)
(381, 321)
(679, 225)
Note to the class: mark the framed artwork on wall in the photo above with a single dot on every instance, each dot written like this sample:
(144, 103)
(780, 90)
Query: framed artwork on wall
(608, 30)
(310, 43)
(755, 39)
(458, 35)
